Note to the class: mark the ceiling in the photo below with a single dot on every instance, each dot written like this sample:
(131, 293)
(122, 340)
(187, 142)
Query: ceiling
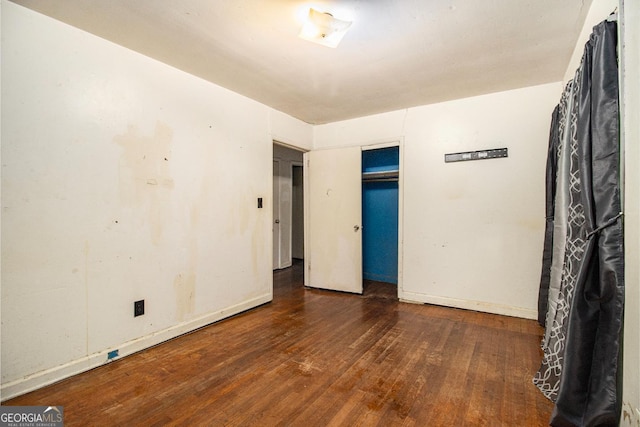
(397, 53)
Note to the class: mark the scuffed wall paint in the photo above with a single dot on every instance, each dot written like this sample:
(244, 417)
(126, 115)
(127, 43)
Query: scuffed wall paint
(630, 416)
(123, 179)
(145, 175)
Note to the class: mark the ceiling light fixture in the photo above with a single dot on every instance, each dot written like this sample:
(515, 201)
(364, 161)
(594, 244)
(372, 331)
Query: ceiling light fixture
(323, 28)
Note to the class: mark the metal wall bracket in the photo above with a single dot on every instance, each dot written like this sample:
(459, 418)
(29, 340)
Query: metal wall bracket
(493, 153)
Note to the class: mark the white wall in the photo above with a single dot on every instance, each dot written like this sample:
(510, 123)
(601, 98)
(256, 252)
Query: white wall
(363, 131)
(290, 131)
(630, 17)
(473, 231)
(122, 179)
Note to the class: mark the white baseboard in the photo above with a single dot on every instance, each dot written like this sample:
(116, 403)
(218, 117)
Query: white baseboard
(52, 375)
(484, 307)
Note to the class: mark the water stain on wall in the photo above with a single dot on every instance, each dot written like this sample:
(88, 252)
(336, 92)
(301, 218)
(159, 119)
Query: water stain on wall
(240, 215)
(185, 283)
(535, 224)
(185, 292)
(85, 251)
(145, 175)
(259, 236)
(451, 191)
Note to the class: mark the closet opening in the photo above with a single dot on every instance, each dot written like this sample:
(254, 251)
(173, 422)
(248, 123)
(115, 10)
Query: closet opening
(380, 196)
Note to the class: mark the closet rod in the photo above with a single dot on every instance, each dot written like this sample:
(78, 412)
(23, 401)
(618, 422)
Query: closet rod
(385, 176)
(380, 180)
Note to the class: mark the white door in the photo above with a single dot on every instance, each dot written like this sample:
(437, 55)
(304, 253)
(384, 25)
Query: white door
(276, 214)
(333, 257)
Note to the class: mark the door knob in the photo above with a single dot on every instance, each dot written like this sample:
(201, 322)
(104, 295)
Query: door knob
(356, 228)
(277, 221)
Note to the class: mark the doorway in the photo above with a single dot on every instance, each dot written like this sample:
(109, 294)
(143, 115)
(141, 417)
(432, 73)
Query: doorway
(288, 202)
(380, 199)
(297, 211)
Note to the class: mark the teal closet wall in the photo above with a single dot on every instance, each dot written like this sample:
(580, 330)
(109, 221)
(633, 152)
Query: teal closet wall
(380, 217)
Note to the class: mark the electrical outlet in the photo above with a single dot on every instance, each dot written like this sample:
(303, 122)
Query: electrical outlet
(138, 308)
(259, 202)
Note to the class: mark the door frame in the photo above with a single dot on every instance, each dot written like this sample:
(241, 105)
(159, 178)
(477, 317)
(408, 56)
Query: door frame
(284, 161)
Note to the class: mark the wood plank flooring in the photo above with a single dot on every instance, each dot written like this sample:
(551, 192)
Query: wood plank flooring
(321, 358)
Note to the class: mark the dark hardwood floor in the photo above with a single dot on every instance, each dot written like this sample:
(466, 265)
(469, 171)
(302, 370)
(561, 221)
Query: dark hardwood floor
(320, 358)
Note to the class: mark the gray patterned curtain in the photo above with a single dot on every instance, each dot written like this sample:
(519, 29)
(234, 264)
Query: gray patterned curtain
(583, 264)
(550, 195)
